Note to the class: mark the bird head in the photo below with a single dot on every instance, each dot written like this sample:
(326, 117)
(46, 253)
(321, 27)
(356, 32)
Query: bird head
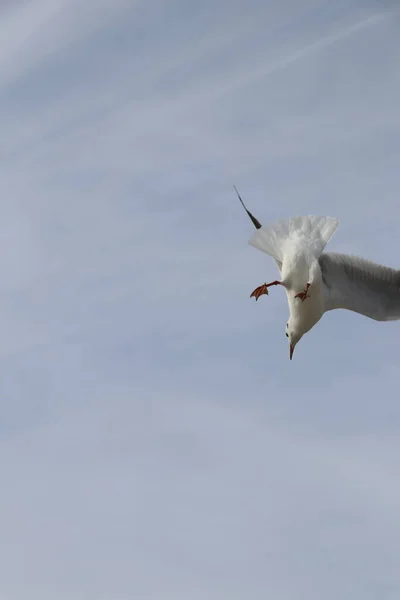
(294, 333)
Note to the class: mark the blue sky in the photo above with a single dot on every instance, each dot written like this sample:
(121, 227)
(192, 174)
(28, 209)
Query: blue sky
(155, 440)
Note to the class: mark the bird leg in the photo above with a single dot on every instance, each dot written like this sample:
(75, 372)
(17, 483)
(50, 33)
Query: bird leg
(263, 289)
(304, 295)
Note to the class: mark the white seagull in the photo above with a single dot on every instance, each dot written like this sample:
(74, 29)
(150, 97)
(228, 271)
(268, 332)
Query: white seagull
(316, 281)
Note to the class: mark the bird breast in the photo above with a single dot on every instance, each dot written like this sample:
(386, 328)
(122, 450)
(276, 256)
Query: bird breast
(296, 269)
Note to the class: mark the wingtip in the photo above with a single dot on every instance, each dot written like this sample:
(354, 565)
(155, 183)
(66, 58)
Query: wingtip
(255, 221)
(239, 196)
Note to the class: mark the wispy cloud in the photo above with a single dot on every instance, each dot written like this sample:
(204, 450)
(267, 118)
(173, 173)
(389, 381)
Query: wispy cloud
(339, 35)
(156, 442)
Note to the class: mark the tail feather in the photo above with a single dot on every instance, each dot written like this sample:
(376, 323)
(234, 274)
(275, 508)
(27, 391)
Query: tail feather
(312, 231)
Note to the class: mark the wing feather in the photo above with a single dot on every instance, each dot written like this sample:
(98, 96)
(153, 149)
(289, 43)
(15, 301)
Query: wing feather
(361, 286)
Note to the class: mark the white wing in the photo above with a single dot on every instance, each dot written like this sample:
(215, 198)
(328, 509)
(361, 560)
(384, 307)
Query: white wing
(362, 286)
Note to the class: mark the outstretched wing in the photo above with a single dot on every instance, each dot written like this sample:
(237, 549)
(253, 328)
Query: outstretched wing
(362, 286)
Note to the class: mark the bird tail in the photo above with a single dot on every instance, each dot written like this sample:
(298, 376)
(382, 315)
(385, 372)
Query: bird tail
(312, 231)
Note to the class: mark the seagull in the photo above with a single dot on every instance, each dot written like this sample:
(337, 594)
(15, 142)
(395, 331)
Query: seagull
(316, 281)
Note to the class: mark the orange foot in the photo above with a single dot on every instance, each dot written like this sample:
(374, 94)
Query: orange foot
(263, 289)
(304, 295)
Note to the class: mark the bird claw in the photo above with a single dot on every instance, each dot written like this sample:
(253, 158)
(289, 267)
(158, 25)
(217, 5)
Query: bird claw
(259, 291)
(263, 289)
(303, 295)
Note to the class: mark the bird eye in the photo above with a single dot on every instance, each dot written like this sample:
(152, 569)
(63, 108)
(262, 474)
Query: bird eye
(287, 335)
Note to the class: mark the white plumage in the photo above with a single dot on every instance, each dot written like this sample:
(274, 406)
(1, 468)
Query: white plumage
(309, 232)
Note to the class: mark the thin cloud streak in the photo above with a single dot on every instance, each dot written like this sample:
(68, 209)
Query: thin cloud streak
(155, 440)
(324, 42)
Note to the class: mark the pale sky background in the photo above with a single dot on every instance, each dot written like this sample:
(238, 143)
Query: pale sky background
(156, 443)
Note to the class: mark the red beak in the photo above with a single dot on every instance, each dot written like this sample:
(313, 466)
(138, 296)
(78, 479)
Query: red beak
(291, 351)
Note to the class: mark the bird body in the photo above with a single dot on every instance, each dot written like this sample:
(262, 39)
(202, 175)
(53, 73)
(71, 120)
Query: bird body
(304, 315)
(296, 245)
(317, 282)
